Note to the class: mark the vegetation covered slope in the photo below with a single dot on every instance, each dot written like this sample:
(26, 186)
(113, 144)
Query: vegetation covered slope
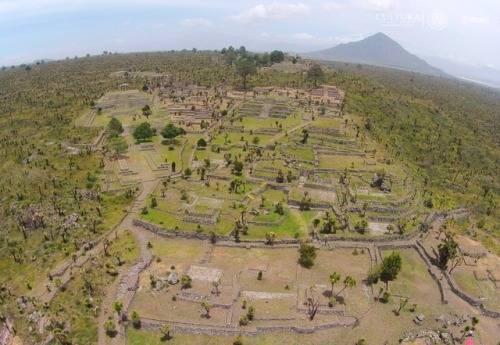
(446, 129)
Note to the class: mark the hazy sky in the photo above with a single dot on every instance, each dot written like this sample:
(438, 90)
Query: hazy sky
(460, 30)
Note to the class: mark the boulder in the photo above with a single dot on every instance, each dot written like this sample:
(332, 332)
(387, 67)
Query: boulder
(173, 278)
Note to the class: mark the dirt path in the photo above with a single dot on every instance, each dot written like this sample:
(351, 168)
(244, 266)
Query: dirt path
(302, 125)
(303, 225)
(126, 283)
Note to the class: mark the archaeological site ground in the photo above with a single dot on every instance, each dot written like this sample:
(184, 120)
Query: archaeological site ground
(189, 198)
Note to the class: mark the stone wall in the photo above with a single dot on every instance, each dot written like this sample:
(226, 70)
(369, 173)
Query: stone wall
(198, 328)
(257, 223)
(423, 254)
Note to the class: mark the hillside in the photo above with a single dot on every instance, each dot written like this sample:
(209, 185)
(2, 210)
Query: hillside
(378, 50)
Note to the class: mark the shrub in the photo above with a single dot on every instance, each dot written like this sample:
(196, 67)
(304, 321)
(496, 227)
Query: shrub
(201, 143)
(244, 320)
(307, 254)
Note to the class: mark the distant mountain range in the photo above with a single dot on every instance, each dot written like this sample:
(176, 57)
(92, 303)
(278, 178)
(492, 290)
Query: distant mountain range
(480, 74)
(378, 50)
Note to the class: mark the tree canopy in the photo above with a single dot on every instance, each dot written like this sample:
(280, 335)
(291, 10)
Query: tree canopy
(143, 132)
(118, 145)
(390, 267)
(448, 250)
(170, 131)
(201, 143)
(115, 127)
(277, 56)
(316, 73)
(307, 254)
(244, 68)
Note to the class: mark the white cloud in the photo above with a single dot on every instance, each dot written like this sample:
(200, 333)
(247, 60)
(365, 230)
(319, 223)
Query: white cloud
(25, 8)
(375, 5)
(196, 22)
(306, 38)
(273, 11)
(331, 6)
(348, 38)
(303, 36)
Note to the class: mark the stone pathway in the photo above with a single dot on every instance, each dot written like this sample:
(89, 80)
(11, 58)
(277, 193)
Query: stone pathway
(127, 281)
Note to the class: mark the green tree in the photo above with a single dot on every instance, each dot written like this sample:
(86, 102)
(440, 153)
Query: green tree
(146, 111)
(251, 312)
(238, 340)
(402, 303)
(207, 306)
(390, 267)
(334, 278)
(238, 167)
(307, 254)
(165, 332)
(186, 281)
(230, 57)
(109, 327)
(349, 282)
(277, 56)
(448, 250)
(216, 284)
(270, 238)
(118, 307)
(244, 68)
(170, 131)
(136, 319)
(201, 143)
(143, 132)
(115, 127)
(315, 73)
(118, 145)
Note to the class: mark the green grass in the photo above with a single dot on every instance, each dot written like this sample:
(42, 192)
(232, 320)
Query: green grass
(287, 229)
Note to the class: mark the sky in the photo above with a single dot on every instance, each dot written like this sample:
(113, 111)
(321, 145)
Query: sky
(464, 31)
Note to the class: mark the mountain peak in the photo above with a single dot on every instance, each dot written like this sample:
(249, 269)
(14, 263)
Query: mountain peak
(379, 50)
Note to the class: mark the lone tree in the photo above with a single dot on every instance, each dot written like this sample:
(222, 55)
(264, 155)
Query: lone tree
(146, 111)
(349, 282)
(238, 167)
(277, 56)
(307, 254)
(216, 284)
(118, 307)
(201, 143)
(109, 327)
(334, 278)
(136, 319)
(186, 281)
(312, 302)
(244, 68)
(171, 131)
(143, 132)
(118, 145)
(115, 127)
(207, 306)
(448, 250)
(316, 73)
(390, 267)
(165, 332)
